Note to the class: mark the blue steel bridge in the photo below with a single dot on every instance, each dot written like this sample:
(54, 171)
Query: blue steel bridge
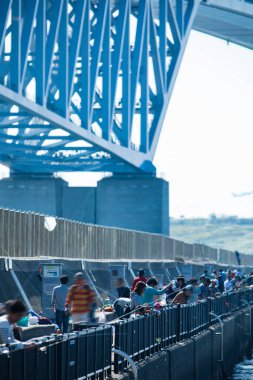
(85, 84)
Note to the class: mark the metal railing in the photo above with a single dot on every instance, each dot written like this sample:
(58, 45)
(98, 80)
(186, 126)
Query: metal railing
(89, 354)
(142, 336)
(82, 355)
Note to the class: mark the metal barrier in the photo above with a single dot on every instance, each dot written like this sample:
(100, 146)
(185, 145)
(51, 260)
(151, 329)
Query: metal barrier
(219, 306)
(88, 354)
(168, 323)
(82, 355)
(143, 335)
(193, 319)
(138, 337)
(23, 234)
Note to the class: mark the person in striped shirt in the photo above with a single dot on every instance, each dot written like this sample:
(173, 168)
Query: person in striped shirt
(79, 299)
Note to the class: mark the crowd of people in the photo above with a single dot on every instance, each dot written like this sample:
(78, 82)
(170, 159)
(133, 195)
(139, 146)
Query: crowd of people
(145, 293)
(78, 300)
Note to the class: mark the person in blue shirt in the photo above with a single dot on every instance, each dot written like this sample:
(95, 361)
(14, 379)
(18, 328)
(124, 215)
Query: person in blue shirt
(151, 291)
(223, 275)
(204, 288)
(58, 303)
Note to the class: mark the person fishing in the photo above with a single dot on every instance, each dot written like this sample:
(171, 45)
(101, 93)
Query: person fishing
(151, 291)
(13, 310)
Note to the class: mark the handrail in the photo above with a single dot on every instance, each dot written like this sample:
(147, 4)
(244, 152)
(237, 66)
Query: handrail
(130, 361)
(144, 335)
(221, 327)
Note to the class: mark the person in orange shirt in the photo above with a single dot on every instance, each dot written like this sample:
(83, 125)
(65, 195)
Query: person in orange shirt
(79, 299)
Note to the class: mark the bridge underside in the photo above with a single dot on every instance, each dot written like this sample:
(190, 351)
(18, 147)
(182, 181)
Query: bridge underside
(228, 20)
(84, 85)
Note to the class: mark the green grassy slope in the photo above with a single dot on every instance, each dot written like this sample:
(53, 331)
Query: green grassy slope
(229, 233)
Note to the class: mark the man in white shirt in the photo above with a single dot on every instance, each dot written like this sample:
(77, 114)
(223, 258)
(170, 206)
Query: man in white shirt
(58, 303)
(15, 310)
(228, 286)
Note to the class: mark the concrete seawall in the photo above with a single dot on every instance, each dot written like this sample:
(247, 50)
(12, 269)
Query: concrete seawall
(200, 357)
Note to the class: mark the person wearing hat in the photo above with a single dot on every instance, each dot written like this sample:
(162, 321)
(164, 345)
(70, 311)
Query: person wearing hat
(213, 287)
(80, 299)
(58, 303)
(141, 278)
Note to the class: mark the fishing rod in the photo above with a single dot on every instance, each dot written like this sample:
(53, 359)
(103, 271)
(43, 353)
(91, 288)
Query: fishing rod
(151, 307)
(136, 309)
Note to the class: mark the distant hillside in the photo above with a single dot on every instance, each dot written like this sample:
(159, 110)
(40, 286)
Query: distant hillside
(229, 233)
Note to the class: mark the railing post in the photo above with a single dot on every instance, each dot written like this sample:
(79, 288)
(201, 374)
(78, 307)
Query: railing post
(117, 344)
(178, 323)
(227, 303)
(221, 328)
(189, 319)
(209, 309)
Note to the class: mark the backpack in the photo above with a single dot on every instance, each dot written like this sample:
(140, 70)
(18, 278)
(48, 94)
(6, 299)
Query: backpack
(119, 310)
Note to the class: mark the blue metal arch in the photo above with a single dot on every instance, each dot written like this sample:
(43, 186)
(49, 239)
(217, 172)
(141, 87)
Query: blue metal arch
(84, 85)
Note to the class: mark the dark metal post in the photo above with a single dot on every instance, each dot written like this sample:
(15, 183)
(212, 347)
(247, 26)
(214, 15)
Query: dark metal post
(178, 322)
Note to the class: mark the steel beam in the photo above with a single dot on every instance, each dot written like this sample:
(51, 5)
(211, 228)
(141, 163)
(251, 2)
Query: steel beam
(101, 71)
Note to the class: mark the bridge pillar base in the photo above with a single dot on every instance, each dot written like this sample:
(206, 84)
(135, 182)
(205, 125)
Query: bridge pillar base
(136, 202)
(125, 201)
(48, 195)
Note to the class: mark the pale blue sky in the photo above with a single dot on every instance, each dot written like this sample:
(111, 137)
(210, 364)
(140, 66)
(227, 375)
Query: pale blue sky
(205, 148)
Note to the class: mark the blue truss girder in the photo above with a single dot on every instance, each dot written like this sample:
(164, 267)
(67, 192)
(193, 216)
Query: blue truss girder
(86, 84)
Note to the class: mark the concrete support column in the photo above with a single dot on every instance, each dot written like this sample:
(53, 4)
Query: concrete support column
(138, 202)
(48, 195)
